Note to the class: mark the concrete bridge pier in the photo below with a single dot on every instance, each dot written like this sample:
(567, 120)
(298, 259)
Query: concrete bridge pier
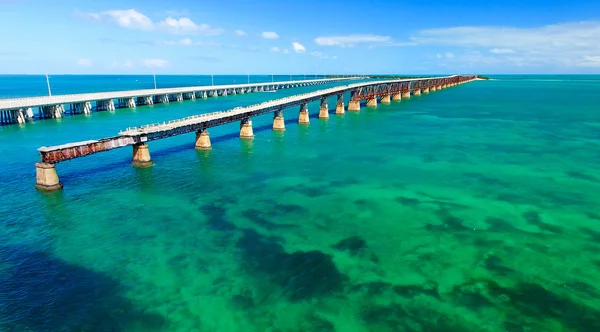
(426, 90)
(246, 129)
(385, 99)
(203, 140)
(29, 113)
(105, 105)
(339, 106)
(179, 97)
(406, 94)
(46, 178)
(233, 92)
(52, 111)
(83, 108)
(372, 102)
(324, 109)
(397, 96)
(204, 95)
(131, 102)
(20, 116)
(304, 117)
(149, 100)
(278, 121)
(417, 92)
(141, 155)
(224, 93)
(242, 91)
(163, 99)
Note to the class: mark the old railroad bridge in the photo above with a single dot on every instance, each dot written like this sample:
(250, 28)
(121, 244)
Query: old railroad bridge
(372, 92)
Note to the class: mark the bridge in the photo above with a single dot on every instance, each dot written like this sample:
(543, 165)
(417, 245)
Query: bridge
(372, 92)
(19, 110)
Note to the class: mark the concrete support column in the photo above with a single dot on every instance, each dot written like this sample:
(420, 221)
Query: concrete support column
(179, 97)
(246, 129)
(354, 103)
(406, 94)
(131, 102)
(433, 88)
(203, 140)
(339, 106)
(141, 155)
(396, 96)
(324, 109)
(20, 116)
(304, 117)
(29, 113)
(417, 92)
(149, 100)
(278, 121)
(372, 102)
(84, 107)
(233, 92)
(192, 96)
(204, 95)
(53, 111)
(46, 178)
(385, 99)
(426, 90)
(164, 99)
(242, 91)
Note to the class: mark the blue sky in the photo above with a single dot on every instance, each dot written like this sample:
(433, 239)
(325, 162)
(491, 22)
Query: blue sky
(295, 37)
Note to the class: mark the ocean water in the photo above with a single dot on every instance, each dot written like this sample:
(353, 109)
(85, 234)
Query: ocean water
(474, 208)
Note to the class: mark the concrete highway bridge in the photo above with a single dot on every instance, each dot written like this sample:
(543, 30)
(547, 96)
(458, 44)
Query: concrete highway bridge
(20, 110)
(371, 92)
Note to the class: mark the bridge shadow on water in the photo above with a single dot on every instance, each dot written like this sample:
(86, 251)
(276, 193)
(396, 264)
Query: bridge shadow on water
(42, 293)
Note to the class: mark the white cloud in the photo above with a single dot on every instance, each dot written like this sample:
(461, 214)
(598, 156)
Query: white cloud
(352, 40)
(132, 19)
(124, 64)
(439, 56)
(239, 32)
(334, 57)
(155, 63)
(84, 62)
(564, 44)
(274, 49)
(128, 18)
(185, 25)
(590, 61)
(286, 51)
(269, 35)
(128, 64)
(298, 48)
(502, 51)
(450, 55)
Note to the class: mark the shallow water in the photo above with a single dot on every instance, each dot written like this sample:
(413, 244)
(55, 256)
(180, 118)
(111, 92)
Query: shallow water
(469, 209)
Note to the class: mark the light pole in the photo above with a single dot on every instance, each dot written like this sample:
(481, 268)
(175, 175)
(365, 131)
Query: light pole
(272, 80)
(248, 78)
(48, 83)
(154, 75)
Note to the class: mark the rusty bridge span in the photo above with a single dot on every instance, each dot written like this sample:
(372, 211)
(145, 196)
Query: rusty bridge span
(372, 92)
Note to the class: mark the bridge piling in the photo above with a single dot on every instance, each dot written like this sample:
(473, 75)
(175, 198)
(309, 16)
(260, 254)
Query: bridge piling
(246, 129)
(324, 109)
(203, 140)
(278, 121)
(304, 117)
(417, 92)
(46, 178)
(385, 99)
(339, 106)
(426, 90)
(372, 102)
(141, 155)
(397, 96)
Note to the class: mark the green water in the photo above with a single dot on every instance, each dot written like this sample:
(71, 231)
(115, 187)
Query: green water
(469, 209)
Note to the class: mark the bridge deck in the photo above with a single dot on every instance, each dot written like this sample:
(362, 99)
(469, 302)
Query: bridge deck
(26, 102)
(134, 135)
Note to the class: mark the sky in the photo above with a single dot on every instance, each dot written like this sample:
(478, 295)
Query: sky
(299, 37)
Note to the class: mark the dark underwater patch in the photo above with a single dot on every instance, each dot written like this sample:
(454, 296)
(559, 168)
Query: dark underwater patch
(217, 217)
(486, 180)
(41, 293)
(372, 288)
(534, 218)
(449, 223)
(500, 225)
(352, 244)
(407, 201)
(582, 176)
(300, 275)
(494, 264)
(256, 217)
(430, 288)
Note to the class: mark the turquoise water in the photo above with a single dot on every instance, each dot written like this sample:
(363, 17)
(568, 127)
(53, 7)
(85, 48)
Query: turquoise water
(469, 209)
